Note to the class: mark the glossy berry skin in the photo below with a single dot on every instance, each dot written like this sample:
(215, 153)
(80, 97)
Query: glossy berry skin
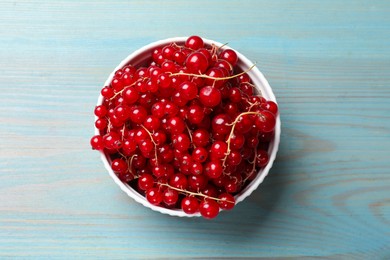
(270, 106)
(218, 150)
(209, 209)
(230, 56)
(190, 205)
(213, 169)
(188, 90)
(175, 125)
(119, 166)
(181, 142)
(170, 197)
(145, 181)
(226, 201)
(194, 42)
(220, 124)
(210, 96)
(137, 114)
(154, 196)
(201, 137)
(266, 121)
(199, 154)
(178, 181)
(197, 63)
(195, 114)
(100, 111)
(97, 142)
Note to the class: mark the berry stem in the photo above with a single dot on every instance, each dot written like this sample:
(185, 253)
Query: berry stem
(192, 193)
(125, 87)
(232, 132)
(154, 142)
(214, 78)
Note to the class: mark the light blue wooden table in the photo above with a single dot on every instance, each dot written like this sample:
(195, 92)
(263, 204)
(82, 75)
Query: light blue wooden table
(328, 194)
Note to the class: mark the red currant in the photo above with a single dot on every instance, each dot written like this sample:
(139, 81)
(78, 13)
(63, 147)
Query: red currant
(209, 209)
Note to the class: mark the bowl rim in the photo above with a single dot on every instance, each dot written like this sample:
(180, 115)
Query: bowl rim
(258, 79)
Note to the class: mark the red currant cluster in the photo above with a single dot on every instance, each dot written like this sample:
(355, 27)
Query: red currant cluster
(188, 130)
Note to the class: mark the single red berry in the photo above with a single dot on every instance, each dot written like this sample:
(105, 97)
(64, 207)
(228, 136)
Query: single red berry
(213, 169)
(244, 124)
(231, 185)
(101, 123)
(145, 181)
(270, 106)
(151, 123)
(195, 114)
(97, 142)
(190, 205)
(199, 154)
(230, 56)
(130, 95)
(100, 111)
(262, 158)
(214, 72)
(210, 96)
(224, 64)
(154, 196)
(159, 137)
(175, 125)
(226, 201)
(171, 109)
(168, 51)
(265, 121)
(220, 124)
(168, 66)
(178, 181)
(209, 209)
(247, 88)
(235, 95)
(127, 79)
(194, 42)
(112, 141)
(237, 141)
(234, 158)
(197, 182)
(122, 112)
(170, 197)
(137, 114)
(218, 150)
(164, 80)
(119, 165)
(165, 153)
(188, 90)
(196, 168)
(107, 92)
(146, 147)
(181, 142)
(201, 137)
(117, 84)
(196, 63)
(159, 170)
(179, 57)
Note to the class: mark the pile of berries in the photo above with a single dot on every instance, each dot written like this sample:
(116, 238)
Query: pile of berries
(188, 129)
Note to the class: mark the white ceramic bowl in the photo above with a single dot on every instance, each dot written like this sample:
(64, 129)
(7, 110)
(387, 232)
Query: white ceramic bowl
(142, 55)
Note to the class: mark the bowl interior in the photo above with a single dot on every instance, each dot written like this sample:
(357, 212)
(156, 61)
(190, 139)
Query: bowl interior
(141, 57)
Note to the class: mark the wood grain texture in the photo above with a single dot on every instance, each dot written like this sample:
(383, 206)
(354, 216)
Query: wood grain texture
(328, 195)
